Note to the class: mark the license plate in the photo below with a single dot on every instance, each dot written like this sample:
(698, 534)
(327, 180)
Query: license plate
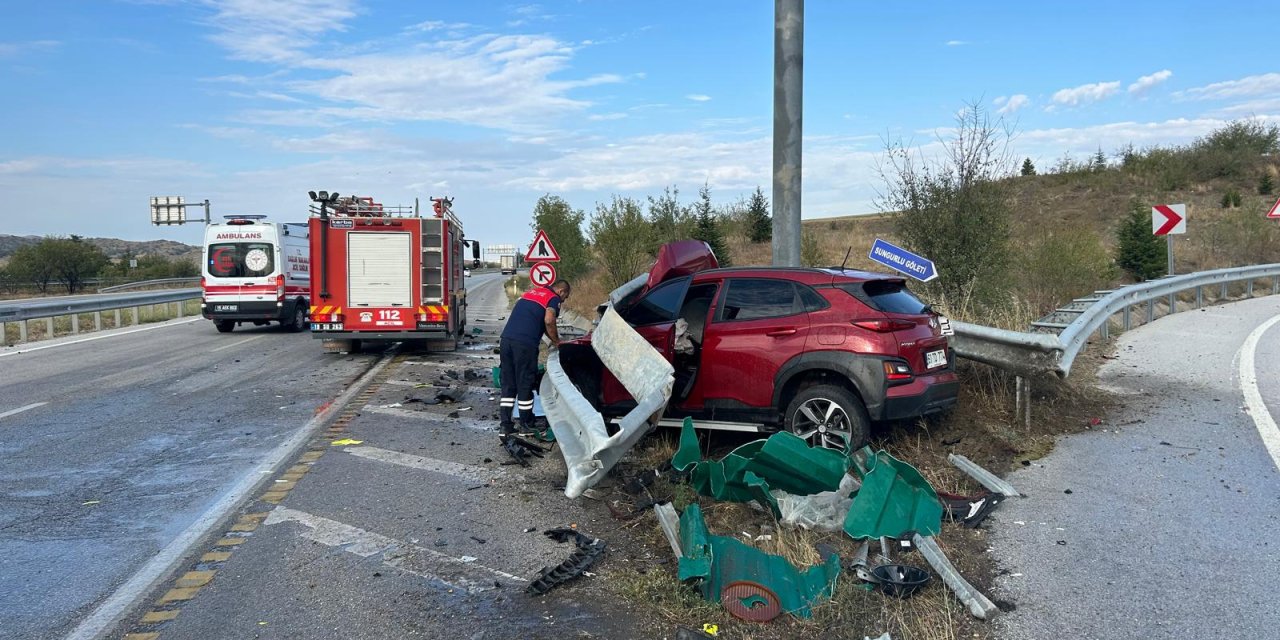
(935, 359)
(318, 326)
(225, 307)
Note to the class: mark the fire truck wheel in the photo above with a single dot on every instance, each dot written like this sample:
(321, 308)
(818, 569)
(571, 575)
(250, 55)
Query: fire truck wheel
(224, 326)
(299, 318)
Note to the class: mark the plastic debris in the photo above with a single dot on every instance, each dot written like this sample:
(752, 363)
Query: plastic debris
(711, 629)
(344, 442)
(783, 461)
(757, 584)
(969, 511)
(894, 500)
(900, 580)
(588, 550)
(823, 511)
(520, 449)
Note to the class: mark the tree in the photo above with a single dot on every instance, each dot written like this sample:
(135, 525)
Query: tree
(707, 226)
(1028, 169)
(620, 238)
(954, 208)
(75, 261)
(33, 264)
(1139, 252)
(759, 224)
(1099, 162)
(1266, 185)
(670, 221)
(563, 225)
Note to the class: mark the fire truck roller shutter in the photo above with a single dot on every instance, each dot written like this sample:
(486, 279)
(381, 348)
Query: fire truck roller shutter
(376, 273)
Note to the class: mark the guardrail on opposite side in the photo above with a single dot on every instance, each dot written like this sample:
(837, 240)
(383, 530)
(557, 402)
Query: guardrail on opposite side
(24, 311)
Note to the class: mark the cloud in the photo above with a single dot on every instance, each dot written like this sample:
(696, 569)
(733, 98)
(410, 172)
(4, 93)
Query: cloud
(957, 43)
(14, 49)
(1251, 86)
(438, 25)
(698, 97)
(1011, 104)
(276, 30)
(1086, 93)
(606, 116)
(1145, 83)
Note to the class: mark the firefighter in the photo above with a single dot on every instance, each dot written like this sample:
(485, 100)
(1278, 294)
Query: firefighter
(533, 315)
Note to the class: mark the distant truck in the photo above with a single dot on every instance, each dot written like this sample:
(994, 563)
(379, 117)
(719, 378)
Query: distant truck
(386, 274)
(508, 264)
(255, 271)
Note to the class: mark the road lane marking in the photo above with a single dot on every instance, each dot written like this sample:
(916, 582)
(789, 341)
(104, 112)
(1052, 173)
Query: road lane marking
(1262, 418)
(29, 407)
(108, 614)
(456, 469)
(171, 323)
(430, 417)
(395, 553)
(234, 344)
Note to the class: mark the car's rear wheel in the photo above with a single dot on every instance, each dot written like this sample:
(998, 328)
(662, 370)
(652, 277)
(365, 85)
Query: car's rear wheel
(828, 416)
(224, 326)
(299, 322)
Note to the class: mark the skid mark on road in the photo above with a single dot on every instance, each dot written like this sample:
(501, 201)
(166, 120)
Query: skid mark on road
(1262, 419)
(456, 469)
(430, 564)
(12, 412)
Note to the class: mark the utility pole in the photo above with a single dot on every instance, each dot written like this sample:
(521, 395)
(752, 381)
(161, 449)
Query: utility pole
(788, 116)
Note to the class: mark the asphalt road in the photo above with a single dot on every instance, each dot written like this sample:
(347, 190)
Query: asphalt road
(112, 444)
(1160, 523)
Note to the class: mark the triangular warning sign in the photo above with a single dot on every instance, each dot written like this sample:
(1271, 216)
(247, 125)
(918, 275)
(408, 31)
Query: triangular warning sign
(541, 250)
(1275, 210)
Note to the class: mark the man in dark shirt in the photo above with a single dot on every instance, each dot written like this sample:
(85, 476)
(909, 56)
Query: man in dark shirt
(533, 315)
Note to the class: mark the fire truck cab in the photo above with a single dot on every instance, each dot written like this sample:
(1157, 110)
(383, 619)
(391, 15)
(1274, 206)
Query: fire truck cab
(384, 273)
(255, 271)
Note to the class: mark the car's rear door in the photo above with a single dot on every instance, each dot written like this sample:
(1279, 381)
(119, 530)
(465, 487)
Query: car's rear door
(759, 324)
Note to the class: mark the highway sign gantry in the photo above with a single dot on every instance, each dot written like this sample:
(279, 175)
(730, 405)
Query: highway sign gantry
(542, 274)
(541, 249)
(1168, 219)
(900, 259)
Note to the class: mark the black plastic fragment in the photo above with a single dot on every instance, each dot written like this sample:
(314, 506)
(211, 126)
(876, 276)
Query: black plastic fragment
(588, 551)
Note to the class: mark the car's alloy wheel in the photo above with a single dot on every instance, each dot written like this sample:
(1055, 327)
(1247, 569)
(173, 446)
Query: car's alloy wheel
(828, 416)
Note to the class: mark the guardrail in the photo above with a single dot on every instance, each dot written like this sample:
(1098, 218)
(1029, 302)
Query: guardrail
(25, 311)
(1034, 353)
(149, 283)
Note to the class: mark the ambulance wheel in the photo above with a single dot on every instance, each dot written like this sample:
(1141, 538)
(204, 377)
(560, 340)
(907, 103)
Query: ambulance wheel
(224, 326)
(299, 319)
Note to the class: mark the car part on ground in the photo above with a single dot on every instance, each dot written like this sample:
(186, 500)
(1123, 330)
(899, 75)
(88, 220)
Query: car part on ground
(716, 564)
(783, 461)
(588, 550)
(900, 580)
(894, 500)
(978, 604)
(520, 449)
(588, 448)
(984, 477)
(969, 511)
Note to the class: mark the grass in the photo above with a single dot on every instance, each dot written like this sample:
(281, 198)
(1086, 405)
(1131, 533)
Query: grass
(62, 325)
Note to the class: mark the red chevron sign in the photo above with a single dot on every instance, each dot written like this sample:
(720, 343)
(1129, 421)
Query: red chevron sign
(1168, 219)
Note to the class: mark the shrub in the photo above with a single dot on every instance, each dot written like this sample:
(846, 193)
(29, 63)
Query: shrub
(1139, 252)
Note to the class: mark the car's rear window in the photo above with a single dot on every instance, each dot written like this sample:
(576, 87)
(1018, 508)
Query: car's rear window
(241, 259)
(889, 296)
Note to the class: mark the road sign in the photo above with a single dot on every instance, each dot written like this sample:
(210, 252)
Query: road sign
(1168, 219)
(168, 210)
(542, 274)
(1275, 210)
(541, 250)
(900, 259)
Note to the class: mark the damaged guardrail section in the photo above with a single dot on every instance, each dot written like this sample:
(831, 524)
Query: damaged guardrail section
(1038, 353)
(589, 451)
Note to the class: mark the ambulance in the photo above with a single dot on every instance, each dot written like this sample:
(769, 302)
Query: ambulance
(255, 271)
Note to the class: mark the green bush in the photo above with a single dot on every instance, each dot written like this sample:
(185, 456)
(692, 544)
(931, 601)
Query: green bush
(1057, 267)
(1140, 252)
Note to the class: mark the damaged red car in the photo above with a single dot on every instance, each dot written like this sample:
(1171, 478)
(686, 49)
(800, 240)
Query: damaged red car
(822, 353)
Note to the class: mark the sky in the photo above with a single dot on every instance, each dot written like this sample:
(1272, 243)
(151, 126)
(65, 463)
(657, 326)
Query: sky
(251, 103)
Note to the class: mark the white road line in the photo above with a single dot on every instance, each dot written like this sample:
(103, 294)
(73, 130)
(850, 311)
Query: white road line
(105, 617)
(367, 543)
(457, 469)
(1262, 419)
(428, 416)
(234, 344)
(171, 323)
(21, 409)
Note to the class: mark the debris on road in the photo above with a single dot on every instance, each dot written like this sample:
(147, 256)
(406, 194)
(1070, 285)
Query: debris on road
(520, 449)
(345, 442)
(900, 580)
(984, 477)
(894, 500)
(978, 604)
(783, 461)
(969, 511)
(750, 583)
(588, 550)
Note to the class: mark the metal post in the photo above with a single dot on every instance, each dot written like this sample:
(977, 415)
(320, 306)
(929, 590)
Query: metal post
(1173, 303)
(1151, 310)
(1127, 323)
(1248, 289)
(1169, 239)
(1017, 395)
(1224, 291)
(1199, 297)
(97, 321)
(22, 330)
(75, 323)
(133, 314)
(788, 112)
(117, 318)
(1105, 329)
(1275, 285)
(181, 304)
(48, 327)
(1026, 403)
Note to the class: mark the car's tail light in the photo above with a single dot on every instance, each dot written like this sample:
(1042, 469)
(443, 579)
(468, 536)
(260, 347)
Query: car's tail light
(896, 371)
(884, 325)
(280, 287)
(202, 284)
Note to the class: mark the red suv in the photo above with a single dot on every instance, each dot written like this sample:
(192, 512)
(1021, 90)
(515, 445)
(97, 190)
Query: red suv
(820, 352)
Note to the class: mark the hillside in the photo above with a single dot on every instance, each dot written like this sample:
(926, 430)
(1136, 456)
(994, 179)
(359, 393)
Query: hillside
(113, 247)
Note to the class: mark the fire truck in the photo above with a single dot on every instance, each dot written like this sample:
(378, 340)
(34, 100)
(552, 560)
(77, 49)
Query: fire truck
(384, 273)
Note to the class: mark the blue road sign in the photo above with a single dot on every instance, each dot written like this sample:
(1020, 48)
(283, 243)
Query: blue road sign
(900, 259)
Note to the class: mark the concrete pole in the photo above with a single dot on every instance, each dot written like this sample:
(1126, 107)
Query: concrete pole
(788, 112)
